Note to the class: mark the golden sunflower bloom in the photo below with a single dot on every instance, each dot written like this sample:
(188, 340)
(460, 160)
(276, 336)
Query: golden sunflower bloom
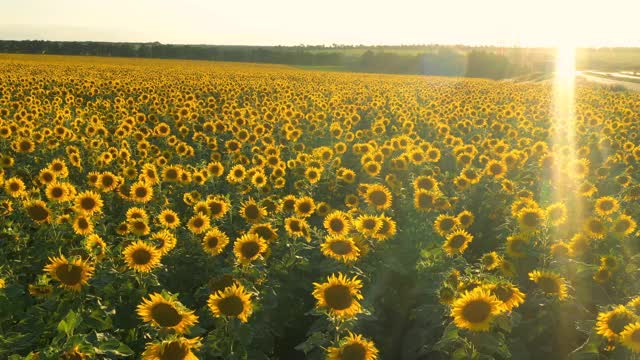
(595, 228)
(606, 205)
(214, 241)
(341, 248)
(58, 192)
(550, 283)
(387, 230)
(630, 337)
(337, 223)
(82, 225)
(141, 256)
(367, 225)
(378, 196)
(496, 168)
(457, 242)
(95, 246)
(611, 323)
(169, 219)
(304, 206)
(199, 223)
(509, 295)
(339, 295)
(233, 301)
(265, 231)
(218, 206)
(177, 348)
(38, 211)
(248, 248)
(475, 310)
(164, 311)
(141, 192)
(165, 241)
(15, 187)
(445, 224)
(252, 212)
(490, 261)
(88, 203)
(531, 218)
(624, 225)
(557, 214)
(353, 347)
(297, 227)
(72, 274)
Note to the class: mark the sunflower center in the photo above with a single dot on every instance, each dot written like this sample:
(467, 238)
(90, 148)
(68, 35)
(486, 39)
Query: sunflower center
(304, 208)
(531, 219)
(635, 336)
(198, 222)
(503, 293)
(14, 187)
(378, 198)
(496, 169)
(38, 213)
(57, 192)
(425, 201)
(250, 249)
(341, 247)
(476, 311)
(141, 256)
(83, 223)
(336, 225)
(252, 212)
(354, 352)
(231, 306)
(295, 226)
(621, 226)
(457, 241)
(606, 205)
(174, 351)
(338, 297)
(548, 285)
(618, 322)
(447, 224)
(369, 224)
(141, 192)
(215, 208)
(212, 242)
(87, 203)
(165, 315)
(69, 274)
(596, 227)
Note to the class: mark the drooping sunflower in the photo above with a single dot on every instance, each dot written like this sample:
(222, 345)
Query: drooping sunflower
(606, 205)
(95, 246)
(141, 256)
(214, 241)
(141, 192)
(341, 248)
(531, 218)
(378, 196)
(38, 211)
(611, 323)
(509, 295)
(199, 223)
(517, 245)
(475, 310)
(550, 283)
(630, 337)
(178, 348)
(164, 311)
(88, 203)
(339, 295)
(337, 223)
(71, 273)
(353, 347)
(248, 248)
(251, 211)
(233, 301)
(457, 242)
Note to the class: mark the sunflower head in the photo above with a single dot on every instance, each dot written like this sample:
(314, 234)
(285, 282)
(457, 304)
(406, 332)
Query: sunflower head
(353, 347)
(164, 311)
(341, 248)
(233, 301)
(549, 283)
(248, 248)
(475, 310)
(611, 323)
(339, 295)
(71, 273)
(141, 257)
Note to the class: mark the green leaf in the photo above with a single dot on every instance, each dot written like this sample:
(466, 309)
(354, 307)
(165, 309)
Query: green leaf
(69, 323)
(114, 347)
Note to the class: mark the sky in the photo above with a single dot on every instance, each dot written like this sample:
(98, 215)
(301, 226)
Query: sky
(325, 22)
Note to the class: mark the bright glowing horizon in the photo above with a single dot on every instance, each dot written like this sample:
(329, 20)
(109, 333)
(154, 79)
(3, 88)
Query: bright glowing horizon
(293, 22)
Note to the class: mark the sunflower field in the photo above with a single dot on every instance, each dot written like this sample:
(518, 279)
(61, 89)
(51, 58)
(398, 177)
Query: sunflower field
(154, 209)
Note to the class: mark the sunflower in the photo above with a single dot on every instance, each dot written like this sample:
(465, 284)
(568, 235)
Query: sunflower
(531, 218)
(595, 228)
(141, 256)
(337, 223)
(46, 176)
(490, 261)
(339, 295)
(88, 203)
(236, 174)
(214, 241)
(426, 183)
(165, 241)
(313, 174)
(251, 211)
(304, 206)
(248, 248)
(445, 224)
(82, 225)
(138, 227)
(169, 219)
(218, 206)
(38, 211)
(465, 219)
(199, 223)
(367, 225)
(611, 323)
(517, 245)
(14, 187)
(297, 227)
(496, 168)
(606, 205)
(265, 231)
(550, 283)
(630, 337)
(178, 348)
(475, 310)
(141, 192)
(164, 311)
(624, 225)
(387, 230)
(72, 274)
(457, 242)
(95, 246)
(424, 200)
(341, 248)
(58, 192)
(557, 214)
(353, 347)
(378, 196)
(136, 213)
(233, 301)
(509, 295)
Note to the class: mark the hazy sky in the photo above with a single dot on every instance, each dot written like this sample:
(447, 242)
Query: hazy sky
(292, 22)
